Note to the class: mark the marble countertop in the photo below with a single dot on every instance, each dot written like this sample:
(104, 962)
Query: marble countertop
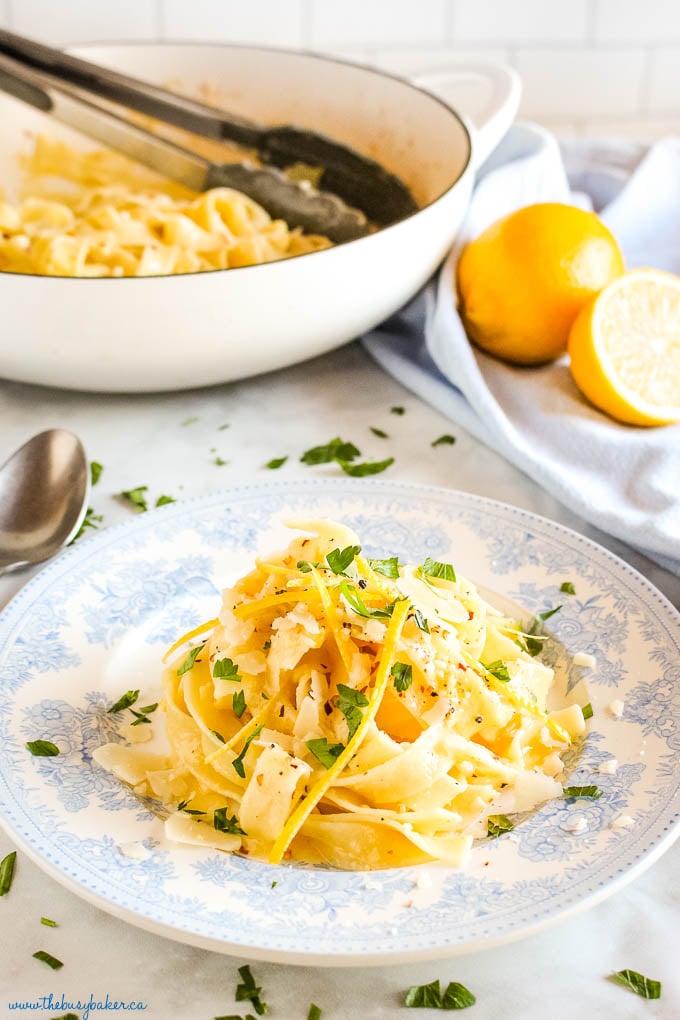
(173, 443)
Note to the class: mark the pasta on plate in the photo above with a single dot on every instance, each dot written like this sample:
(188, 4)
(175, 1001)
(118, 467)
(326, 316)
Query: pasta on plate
(99, 214)
(350, 712)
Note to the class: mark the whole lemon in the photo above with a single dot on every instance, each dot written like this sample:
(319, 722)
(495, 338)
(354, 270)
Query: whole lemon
(524, 280)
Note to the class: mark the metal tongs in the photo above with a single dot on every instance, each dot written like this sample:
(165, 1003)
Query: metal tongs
(357, 191)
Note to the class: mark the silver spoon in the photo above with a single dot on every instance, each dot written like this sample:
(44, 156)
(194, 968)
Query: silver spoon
(44, 489)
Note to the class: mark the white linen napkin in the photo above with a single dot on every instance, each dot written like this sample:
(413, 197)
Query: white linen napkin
(623, 479)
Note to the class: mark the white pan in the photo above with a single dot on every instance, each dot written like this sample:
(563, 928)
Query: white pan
(174, 332)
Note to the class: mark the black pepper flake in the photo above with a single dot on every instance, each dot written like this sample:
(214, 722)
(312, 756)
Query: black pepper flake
(363, 583)
(478, 719)
(328, 708)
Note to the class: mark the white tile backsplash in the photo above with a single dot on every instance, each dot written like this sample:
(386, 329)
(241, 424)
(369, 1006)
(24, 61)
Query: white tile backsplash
(588, 66)
(64, 21)
(521, 22)
(378, 22)
(585, 83)
(271, 22)
(637, 21)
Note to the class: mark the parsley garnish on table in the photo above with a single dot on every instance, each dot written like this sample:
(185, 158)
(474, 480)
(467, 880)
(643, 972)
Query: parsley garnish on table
(275, 463)
(136, 497)
(445, 440)
(643, 986)
(247, 989)
(7, 866)
(455, 996)
(95, 471)
(47, 958)
(344, 455)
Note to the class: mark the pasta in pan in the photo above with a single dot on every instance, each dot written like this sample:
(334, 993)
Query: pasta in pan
(350, 712)
(99, 214)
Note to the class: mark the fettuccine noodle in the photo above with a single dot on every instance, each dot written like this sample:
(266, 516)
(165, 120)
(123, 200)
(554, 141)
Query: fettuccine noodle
(350, 712)
(99, 214)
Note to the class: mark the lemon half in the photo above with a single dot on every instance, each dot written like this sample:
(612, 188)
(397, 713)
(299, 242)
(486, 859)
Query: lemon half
(624, 348)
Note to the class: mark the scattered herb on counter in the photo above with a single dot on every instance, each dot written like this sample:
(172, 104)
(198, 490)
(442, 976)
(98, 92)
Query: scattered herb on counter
(276, 462)
(90, 520)
(324, 752)
(238, 704)
(402, 673)
(369, 467)
(221, 428)
(164, 500)
(496, 825)
(189, 421)
(638, 983)
(398, 410)
(582, 792)
(587, 711)
(350, 702)
(42, 748)
(67, 1016)
(220, 462)
(238, 762)
(226, 669)
(433, 568)
(125, 701)
(456, 996)
(378, 432)
(227, 824)
(48, 922)
(95, 471)
(388, 567)
(47, 958)
(190, 659)
(568, 588)
(247, 989)
(136, 497)
(336, 449)
(314, 1012)
(339, 559)
(445, 440)
(499, 670)
(7, 865)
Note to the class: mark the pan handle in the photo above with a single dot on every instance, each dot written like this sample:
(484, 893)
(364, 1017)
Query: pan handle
(485, 95)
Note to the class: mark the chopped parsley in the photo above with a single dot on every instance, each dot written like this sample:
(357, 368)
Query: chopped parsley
(184, 806)
(137, 497)
(379, 433)
(190, 659)
(374, 467)
(238, 704)
(430, 996)
(402, 673)
(421, 622)
(225, 669)
(189, 421)
(350, 702)
(221, 428)
(314, 1012)
(164, 500)
(388, 567)
(220, 462)
(95, 471)
(568, 588)
(445, 440)
(324, 752)
(238, 762)
(533, 641)
(336, 449)
(587, 711)
(398, 410)
(218, 736)
(305, 566)
(90, 520)
(643, 986)
(340, 559)
(356, 603)
(7, 865)
(275, 463)
(227, 824)
(125, 700)
(496, 825)
(47, 958)
(247, 989)
(433, 568)
(585, 792)
(499, 670)
(42, 748)
(48, 922)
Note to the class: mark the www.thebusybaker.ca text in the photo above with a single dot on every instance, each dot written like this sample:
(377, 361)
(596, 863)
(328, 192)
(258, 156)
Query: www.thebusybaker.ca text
(85, 1006)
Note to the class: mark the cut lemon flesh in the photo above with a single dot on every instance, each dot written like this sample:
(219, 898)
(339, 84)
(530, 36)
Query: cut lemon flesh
(624, 348)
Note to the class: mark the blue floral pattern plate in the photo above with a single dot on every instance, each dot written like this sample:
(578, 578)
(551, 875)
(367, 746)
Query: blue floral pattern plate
(97, 620)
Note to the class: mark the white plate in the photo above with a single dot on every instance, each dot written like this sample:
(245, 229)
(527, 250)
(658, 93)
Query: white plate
(97, 620)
